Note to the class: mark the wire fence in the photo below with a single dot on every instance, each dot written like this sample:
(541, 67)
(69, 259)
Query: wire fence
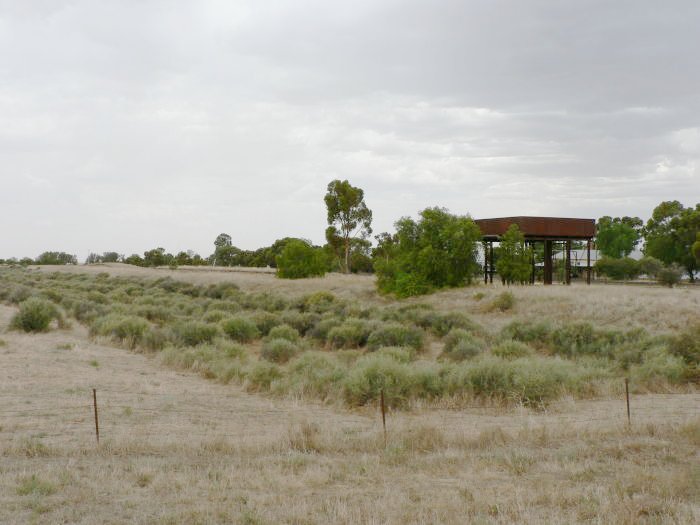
(87, 415)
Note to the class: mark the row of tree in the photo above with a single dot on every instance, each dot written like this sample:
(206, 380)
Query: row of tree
(671, 235)
(436, 251)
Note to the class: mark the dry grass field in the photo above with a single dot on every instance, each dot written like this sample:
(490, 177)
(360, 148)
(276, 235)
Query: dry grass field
(178, 448)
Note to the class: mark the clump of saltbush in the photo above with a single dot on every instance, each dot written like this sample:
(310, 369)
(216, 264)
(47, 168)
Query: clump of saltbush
(35, 315)
(395, 334)
(511, 349)
(265, 321)
(240, 329)
(441, 324)
(686, 345)
(353, 333)
(461, 344)
(214, 316)
(261, 376)
(314, 374)
(193, 333)
(123, 328)
(536, 334)
(279, 350)
(322, 328)
(503, 302)
(397, 353)
(373, 374)
(284, 331)
(302, 321)
(319, 302)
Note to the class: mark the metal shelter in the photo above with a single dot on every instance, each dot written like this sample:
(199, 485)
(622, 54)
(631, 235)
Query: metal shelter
(547, 230)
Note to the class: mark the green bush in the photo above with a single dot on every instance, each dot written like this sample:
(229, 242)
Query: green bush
(436, 252)
(397, 353)
(299, 260)
(240, 329)
(670, 275)
(650, 266)
(284, 331)
(214, 316)
(511, 350)
(265, 321)
(461, 345)
(126, 329)
(193, 333)
(618, 269)
(319, 302)
(441, 324)
(353, 333)
(35, 315)
(314, 374)
(262, 375)
(658, 365)
(303, 322)
(375, 373)
(394, 334)
(503, 302)
(686, 345)
(323, 327)
(279, 350)
(537, 334)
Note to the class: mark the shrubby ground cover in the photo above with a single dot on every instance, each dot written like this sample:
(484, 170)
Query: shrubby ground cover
(340, 351)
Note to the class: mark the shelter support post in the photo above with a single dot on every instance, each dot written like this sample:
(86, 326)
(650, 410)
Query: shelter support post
(547, 262)
(486, 263)
(568, 262)
(588, 262)
(532, 262)
(492, 266)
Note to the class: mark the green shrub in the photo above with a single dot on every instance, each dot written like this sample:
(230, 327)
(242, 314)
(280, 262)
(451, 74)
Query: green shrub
(670, 275)
(441, 324)
(218, 291)
(278, 350)
(214, 316)
(535, 333)
(240, 329)
(375, 373)
(461, 345)
(397, 353)
(19, 294)
(193, 333)
(230, 307)
(511, 350)
(314, 374)
(299, 260)
(156, 314)
(686, 345)
(353, 333)
(503, 302)
(262, 375)
(125, 329)
(659, 365)
(650, 266)
(155, 339)
(265, 321)
(323, 327)
(35, 315)
(303, 322)
(394, 334)
(618, 269)
(284, 331)
(319, 302)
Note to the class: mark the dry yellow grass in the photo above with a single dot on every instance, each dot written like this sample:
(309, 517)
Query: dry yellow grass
(657, 309)
(178, 449)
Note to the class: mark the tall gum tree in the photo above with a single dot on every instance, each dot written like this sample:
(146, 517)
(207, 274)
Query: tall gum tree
(348, 217)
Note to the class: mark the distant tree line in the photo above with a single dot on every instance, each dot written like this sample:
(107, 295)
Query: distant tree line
(438, 250)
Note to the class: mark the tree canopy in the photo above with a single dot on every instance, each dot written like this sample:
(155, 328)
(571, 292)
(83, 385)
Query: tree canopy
(514, 263)
(670, 234)
(437, 251)
(348, 218)
(617, 237)
(299, 259)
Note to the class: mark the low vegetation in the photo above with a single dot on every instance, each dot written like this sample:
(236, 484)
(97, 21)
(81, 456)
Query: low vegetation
(340, 351)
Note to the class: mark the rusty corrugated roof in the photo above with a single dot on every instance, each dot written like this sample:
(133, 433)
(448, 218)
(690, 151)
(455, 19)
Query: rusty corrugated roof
(540, 227)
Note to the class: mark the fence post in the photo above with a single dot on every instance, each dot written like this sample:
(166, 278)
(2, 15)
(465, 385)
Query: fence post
(627, 396)
(97, 421)
(381, 402)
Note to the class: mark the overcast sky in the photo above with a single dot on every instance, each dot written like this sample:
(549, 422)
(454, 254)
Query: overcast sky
(126, 125)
